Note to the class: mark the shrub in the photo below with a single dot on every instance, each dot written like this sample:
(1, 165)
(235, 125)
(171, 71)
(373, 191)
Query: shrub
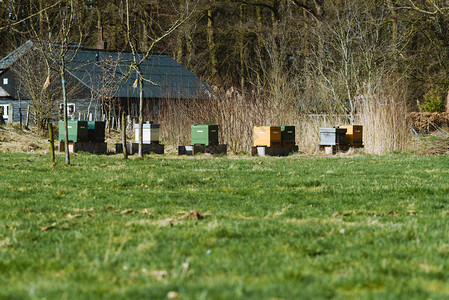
(433, 100)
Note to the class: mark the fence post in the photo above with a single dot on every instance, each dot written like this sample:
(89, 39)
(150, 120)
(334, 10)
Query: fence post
(52, 143)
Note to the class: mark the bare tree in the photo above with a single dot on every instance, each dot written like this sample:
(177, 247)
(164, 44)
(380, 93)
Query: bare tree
(109, 82)
(35, 84)
(60, 50)
(139, 58)
(350, 55)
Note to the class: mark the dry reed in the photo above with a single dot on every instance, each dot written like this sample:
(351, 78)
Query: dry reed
(384, 119)
(237, 116)
(386, 127)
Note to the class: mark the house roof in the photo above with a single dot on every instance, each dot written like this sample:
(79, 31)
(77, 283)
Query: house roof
(12, 57)
(99, 69)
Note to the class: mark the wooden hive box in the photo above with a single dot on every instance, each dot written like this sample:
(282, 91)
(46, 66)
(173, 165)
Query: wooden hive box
(204, 134)
(354, 134)
(268, 136)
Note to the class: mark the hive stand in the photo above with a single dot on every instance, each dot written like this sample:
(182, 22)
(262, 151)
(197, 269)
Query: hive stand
(91, 147)
(201, 149)
(133, 148)
(273, 151)
(333, 149)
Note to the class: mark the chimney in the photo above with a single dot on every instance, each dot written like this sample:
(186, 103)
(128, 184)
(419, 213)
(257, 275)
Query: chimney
(101, 44)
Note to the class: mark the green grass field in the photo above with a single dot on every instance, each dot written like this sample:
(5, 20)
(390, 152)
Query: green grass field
(361, 227)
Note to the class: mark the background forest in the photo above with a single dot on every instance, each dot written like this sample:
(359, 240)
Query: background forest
(275, 56)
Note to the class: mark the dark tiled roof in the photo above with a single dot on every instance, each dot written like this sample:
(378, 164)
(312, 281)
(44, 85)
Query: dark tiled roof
(171, 79)
(12, 57)
(93, 67)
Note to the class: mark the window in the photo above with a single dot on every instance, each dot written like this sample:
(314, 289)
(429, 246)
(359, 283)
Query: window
(4, 112)
(4, 109)
(70, 109)
(5, 81)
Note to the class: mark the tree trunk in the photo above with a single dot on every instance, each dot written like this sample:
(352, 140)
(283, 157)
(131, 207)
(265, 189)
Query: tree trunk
(125, 154)
(211, 44)
(179, 47)
(110, 116)
(241, 50)
(144, 38)
(140, 154)
(190, 47)
(181, 35)
(27, 121)
(447, 102)
(98, 18)
(260, 41)
(20, 112)
(41, 19)
(394, 30)
(64, 99)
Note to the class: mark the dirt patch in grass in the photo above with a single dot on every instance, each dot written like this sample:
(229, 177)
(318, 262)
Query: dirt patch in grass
(193, 214)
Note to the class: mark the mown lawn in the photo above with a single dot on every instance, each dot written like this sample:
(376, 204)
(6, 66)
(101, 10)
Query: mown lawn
(374, 227)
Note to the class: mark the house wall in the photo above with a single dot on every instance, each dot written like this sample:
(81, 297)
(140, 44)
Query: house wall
(8, 82)
(151, 108)
(84, 109)
(83, 106)
(16, 109)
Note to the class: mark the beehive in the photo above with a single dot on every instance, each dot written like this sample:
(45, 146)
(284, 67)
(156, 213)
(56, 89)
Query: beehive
(150, 133)
(95, 131)
(268, 136)
(354, 134)
(204, 134)
(77, 131)
(331, 136)
(288, 136)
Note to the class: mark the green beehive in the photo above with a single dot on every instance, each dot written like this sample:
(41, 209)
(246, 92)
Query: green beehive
(95, 131)
(287, 136)
(77, 131)
(204, 134)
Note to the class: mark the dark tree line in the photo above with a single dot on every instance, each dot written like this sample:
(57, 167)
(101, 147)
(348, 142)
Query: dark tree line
(317, 54)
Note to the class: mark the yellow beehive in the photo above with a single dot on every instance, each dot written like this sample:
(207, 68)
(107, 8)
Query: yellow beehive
(268, 136)
(354, 134)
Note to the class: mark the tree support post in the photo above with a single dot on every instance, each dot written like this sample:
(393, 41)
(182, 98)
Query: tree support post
(125, 154)
(52, 142)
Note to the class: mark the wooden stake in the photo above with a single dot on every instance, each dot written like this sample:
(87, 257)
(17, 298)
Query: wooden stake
(52, 142)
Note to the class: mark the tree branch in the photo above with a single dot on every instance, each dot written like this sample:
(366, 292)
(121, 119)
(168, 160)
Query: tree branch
(306, 9)
(30, 16)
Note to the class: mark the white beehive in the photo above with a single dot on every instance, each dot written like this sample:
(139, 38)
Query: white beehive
(150, 133)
